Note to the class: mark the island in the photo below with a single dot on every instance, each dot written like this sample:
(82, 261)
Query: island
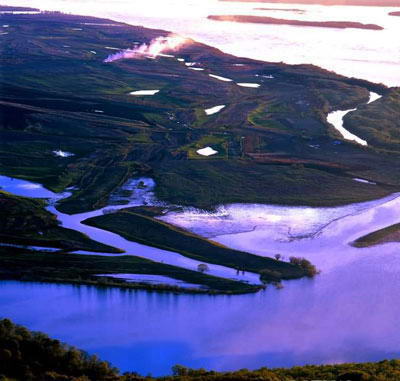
(379, 237)
(394, 13)
(275, 21)
(10, 8)
(296, 10)
(366, 3)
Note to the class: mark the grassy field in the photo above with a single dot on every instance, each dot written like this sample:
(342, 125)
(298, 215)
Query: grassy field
(22, 264)
(140, 226)
(379, 237)
(26, 222)
(56, 93)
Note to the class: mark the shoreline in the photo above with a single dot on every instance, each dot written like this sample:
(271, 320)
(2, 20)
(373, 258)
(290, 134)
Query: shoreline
(301, 23)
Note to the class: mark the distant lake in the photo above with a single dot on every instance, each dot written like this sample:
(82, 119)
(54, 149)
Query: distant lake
(368, 54)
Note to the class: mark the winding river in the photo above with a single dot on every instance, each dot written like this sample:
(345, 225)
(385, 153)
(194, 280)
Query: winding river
(348, 313)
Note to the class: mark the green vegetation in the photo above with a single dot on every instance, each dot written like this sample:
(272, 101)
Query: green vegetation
(33, 356)
(378, 122)
(52, 89)
(207, 183)
(379, 237)
(306, 265)
(136, 225)
(25, 221)
(23, 264)
(218, 142)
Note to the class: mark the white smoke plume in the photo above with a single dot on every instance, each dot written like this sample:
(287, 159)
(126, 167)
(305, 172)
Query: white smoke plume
(156, 47)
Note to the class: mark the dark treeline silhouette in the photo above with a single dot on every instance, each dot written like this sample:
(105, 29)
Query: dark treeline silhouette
(33, 356)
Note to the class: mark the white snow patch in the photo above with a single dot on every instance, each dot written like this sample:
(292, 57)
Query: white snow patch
(220, 78)
(373, 97)
(214, 110)
(244, 84)
(144, 92)
(364, 181)
(207, 151)
(336, 119)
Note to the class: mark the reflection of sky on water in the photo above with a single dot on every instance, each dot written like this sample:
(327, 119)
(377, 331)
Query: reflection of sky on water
(367, 54)
(347, 313)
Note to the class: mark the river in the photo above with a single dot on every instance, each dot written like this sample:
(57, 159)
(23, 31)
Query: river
(347, 313)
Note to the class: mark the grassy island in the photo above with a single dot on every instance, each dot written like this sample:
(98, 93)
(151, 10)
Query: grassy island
(25, 221)
(275, 21)
(139, 225)
(379, 237)
(27, 265)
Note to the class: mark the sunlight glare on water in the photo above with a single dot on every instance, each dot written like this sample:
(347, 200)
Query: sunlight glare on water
(368, 54)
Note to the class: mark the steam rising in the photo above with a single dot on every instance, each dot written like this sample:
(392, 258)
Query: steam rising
(156, 47)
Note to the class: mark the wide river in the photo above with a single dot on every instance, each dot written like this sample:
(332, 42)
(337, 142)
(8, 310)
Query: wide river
(347, 313)
(368, 54)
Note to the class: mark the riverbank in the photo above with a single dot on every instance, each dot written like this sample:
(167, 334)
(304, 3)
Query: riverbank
(28, 265)
(379, 237)
(26, 222)
(141, 225)
(30, 224)
(66, 362)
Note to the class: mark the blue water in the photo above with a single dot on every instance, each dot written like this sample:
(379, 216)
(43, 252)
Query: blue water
(345, 315)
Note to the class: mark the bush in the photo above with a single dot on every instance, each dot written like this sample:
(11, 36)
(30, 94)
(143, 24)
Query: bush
(306, 265)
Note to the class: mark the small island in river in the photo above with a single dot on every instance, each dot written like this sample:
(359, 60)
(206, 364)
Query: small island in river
(281, 9)
(365, 3)
(275, 21)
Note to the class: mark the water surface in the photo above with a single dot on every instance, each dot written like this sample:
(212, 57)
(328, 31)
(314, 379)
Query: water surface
(368, 54)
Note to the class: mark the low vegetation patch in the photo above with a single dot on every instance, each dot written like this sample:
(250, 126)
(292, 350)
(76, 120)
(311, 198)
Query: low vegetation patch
(27, 265)
(137, 226)
(25, 221)
(379, 237)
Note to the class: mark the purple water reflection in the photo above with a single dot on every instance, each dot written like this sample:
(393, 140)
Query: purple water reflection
(350, 314)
